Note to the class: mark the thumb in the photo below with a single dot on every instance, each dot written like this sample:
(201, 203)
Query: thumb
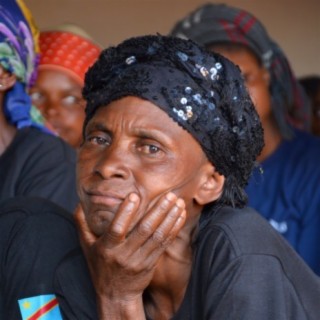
(87, 237)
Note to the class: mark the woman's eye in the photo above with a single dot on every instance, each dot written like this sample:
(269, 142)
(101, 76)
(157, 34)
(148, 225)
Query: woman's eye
(98, 140)
(149, 149)
(71, 100)
(35, 96)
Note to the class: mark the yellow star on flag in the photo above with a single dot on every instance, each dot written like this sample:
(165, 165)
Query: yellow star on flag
(27, 305)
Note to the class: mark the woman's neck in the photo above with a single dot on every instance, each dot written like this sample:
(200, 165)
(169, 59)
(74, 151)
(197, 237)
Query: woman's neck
(165, 293)
(272, 139)
(164, 296)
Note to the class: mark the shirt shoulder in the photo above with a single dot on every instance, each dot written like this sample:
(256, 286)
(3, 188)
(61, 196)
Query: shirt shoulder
(34, 141)
(35, 234)
(240, 261)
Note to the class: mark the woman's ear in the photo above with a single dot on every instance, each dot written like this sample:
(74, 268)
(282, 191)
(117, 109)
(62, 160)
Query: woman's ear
(7, 80)
(210, 187)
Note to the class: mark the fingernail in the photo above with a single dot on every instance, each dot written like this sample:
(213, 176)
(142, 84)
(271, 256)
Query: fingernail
(171, 196)
(182, 217)
(180, 203)
(133, 197)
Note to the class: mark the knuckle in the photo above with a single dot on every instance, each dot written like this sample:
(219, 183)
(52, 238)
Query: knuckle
(115, 258)
(121, 261)
(102, 254)
(116, 231)
(164, 205)
(165, 244)
(159, 236)
(136, 268)
(144, 229)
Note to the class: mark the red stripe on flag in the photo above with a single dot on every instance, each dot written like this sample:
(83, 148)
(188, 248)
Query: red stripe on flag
(46, 308)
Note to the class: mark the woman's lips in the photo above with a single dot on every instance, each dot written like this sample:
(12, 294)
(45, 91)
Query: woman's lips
(107, 199)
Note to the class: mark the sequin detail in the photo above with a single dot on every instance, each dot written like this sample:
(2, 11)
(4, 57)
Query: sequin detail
(194, 88)
(182, 56)
(131, 60)
(184, 115)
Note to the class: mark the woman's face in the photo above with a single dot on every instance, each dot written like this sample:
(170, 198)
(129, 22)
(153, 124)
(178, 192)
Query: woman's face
(255, 75)
(133, 146)
(58, 96)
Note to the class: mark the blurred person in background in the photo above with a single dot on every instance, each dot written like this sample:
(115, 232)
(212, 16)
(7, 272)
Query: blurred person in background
(285, 187)
(163, 223)
(33, 162)
(66, 53)
(311, 85)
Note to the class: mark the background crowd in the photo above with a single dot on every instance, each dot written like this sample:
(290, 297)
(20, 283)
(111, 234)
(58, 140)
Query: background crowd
(50, 162)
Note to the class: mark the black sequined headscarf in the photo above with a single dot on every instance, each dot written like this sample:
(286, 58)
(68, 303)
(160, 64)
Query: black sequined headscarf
(203, 92)
(218, 23)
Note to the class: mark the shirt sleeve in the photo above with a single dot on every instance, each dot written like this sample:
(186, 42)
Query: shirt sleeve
(75, 292)
(35, 234)
(50, 173)
(251, 287)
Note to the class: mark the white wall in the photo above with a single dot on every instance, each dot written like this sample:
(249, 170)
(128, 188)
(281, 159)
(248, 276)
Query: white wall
(294, 24)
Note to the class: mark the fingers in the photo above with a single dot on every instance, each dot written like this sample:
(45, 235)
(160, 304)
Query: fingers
(152, 234)
(160, 225)
(85, 233)
(118, 229)
(169, 226)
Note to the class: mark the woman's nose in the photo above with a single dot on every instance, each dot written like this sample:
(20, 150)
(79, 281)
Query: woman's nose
(50, 109)
(113, 163)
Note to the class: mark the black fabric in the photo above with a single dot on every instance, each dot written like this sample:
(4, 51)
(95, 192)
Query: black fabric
(74, 289)
(220, 23)
(242, 269)
(34, 236)
(202, 91)
(41, 165)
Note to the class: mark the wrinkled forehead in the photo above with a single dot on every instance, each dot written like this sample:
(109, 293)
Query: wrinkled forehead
(132, 117)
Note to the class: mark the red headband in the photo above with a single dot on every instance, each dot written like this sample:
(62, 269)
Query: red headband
(68, 52)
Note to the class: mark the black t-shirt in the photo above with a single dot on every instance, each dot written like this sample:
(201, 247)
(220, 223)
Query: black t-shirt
(41, 165)
(242, 269)
(35, 234)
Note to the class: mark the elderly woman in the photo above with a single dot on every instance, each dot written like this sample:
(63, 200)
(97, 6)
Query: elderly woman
(170, 140)
(32, 161)
(66, 54)
(286, 193)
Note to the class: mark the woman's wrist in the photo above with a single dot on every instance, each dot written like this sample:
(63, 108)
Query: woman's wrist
(124, 308)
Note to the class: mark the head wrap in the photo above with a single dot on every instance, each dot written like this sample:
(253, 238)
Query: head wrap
(203, 92)
(68, 52)
(19, 55)
(218, 23)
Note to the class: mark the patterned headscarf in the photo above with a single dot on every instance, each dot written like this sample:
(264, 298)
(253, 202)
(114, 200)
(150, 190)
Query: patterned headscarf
(19, 54)
(68, 52)
(218, 23)
(203, 92)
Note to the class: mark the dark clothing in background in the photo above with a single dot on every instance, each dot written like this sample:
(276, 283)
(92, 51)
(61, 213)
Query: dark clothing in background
(34, 236)
(287, 194)
(41, 165)
(242, 269)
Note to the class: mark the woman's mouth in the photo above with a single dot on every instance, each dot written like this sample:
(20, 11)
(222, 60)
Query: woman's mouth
(105, 199)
